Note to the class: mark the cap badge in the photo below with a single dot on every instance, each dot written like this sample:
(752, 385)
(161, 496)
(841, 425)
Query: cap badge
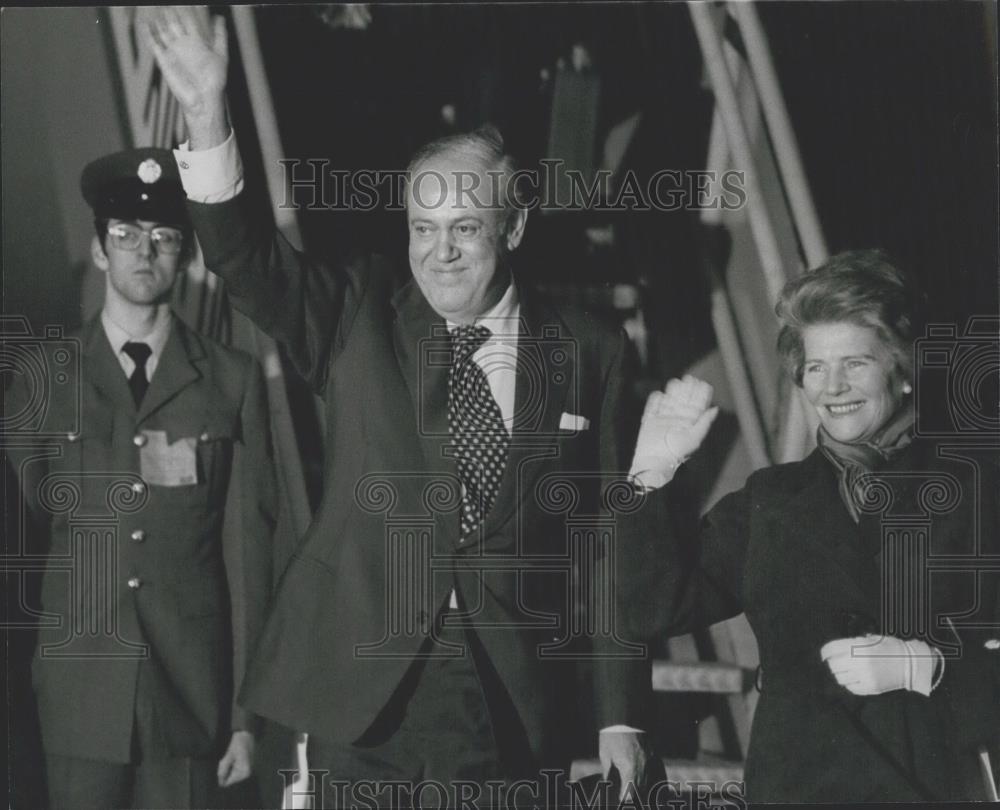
(149, 171)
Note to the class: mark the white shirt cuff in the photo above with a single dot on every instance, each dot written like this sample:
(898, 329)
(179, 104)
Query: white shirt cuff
(211, 175)
(620, 728)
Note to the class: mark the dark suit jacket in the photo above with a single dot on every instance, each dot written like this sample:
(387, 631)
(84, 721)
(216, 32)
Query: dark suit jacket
(785, 550)
(344, 628)
(200, 602)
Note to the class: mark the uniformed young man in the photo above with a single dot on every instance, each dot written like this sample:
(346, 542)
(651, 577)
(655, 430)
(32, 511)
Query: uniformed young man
(160, 439)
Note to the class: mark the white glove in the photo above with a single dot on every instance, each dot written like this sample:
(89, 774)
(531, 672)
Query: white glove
(873, 665)
(674, 425)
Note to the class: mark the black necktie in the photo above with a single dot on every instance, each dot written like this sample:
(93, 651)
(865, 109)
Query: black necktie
(475, 423)
(138, 382)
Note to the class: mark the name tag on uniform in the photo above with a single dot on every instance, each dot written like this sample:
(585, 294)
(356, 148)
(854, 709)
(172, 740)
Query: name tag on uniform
(573, 421)
(168, 465)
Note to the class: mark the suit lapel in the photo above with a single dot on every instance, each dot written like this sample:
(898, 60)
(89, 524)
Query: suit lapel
(546, 367)
(545, 371)
(175, 371)
(422, 349)
(102, 370)
(833, 534)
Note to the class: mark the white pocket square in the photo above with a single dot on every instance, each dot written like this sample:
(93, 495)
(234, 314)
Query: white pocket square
(572, 421)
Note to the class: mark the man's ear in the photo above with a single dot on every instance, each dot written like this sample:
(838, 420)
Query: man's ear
(515, 227)
(97, 254)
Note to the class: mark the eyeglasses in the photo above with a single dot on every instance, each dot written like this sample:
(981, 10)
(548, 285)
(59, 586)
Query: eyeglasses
(129, 237)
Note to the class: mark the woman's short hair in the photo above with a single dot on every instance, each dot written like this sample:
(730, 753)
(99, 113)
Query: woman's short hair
(862, 287)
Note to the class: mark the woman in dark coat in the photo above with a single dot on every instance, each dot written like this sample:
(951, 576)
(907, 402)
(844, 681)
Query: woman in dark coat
(869, 571)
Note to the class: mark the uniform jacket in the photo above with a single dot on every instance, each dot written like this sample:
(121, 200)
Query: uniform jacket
(346, 625)
(922, 563)
(140, 571)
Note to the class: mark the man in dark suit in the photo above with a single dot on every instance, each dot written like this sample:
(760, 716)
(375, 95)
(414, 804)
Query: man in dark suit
(156, 440)
(420, 630)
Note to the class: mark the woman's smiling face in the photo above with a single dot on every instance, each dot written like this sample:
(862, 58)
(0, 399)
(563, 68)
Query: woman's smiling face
(850, 378)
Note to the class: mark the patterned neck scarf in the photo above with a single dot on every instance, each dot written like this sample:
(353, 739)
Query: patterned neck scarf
(853, 461)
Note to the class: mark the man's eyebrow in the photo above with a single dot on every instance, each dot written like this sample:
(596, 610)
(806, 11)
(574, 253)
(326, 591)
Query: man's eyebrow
(459, 221)
(845, 357)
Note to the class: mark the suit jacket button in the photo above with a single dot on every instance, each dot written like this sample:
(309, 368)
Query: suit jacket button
(134, 583)
(139, 439)
(138, 535)
(992, 644)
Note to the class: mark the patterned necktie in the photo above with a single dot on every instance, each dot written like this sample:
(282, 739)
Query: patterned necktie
(138, 382)
(475, 424)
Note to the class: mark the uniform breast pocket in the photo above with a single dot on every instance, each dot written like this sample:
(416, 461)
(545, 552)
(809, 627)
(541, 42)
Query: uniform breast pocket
(80, 476)
(190, 455)
(214, 448)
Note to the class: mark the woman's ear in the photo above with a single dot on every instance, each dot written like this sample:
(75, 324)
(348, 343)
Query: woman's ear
(97, 254)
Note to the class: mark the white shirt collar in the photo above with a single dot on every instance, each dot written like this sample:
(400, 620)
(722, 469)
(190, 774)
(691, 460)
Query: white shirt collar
(156, 339)
(502, 318)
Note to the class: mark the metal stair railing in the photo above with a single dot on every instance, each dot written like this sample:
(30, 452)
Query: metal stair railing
(751, 133)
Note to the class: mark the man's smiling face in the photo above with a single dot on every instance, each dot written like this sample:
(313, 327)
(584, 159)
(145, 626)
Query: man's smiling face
(458, 238)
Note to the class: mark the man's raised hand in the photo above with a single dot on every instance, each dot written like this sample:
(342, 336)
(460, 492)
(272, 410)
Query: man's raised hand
(192, 51)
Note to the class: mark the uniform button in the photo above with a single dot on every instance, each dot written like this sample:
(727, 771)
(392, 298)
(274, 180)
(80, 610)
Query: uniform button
(138, 487)
(138, 535)
(204, 437)
(139, 439)
(992, 644)
(134, 583)
(72, 437)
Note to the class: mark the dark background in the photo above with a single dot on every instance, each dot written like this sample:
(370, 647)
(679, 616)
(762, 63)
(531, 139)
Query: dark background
(893, 103)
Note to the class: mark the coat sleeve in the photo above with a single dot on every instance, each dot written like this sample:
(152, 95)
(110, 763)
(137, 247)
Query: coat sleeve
(970, 683)
(250, 520)
(622, 672)
(678, 576)
(30, 519)
(307, 307)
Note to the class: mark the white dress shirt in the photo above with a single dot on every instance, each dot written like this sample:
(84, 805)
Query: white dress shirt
(497, 357)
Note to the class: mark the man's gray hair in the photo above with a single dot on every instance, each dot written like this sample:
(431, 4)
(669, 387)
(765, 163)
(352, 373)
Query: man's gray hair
(485, 147)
